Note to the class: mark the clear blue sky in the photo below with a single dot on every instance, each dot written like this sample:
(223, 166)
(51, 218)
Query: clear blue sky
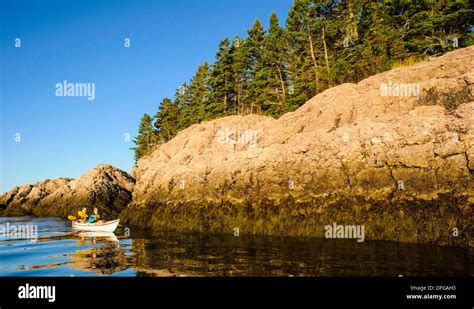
(82, 41)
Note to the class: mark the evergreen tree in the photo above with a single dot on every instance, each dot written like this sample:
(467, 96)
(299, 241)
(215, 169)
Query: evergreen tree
(146, 139)
(180, 103)
(253, 81)
(166, 121)
(377, 36)
(346, 37)
(220, 80)
(239, 78)
(273, 74)
(303, 66)
(197, 97)
(432, 26)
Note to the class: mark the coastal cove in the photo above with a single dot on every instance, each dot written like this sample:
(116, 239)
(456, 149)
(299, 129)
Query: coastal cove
(400, 167)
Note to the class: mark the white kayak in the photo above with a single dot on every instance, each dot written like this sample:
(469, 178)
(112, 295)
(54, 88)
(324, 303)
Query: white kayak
(108, 226)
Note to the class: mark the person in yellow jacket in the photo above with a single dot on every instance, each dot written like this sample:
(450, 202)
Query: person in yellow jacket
(82, 215)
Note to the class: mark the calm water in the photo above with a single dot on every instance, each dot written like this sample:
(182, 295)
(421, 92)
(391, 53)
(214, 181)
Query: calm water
(59, 251)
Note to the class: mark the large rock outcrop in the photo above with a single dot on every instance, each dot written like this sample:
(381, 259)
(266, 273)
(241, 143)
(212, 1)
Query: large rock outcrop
(104, 186)
(394, 152)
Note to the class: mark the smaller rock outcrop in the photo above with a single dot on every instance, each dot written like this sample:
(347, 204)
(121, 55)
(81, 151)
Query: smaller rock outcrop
(22, 199)
(105, 187)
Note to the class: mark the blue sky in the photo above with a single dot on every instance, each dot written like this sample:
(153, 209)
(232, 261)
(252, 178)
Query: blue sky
(83, 42)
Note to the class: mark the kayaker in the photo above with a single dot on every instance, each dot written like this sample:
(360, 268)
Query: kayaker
(94, 217)
(82, 214)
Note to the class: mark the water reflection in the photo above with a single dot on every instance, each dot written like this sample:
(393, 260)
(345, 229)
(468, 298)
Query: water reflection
(61, 252)
(97, 236)
(204, 255)
(104, 260)
(98, 252)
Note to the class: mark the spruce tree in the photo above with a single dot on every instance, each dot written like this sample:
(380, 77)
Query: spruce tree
(198, 97)
(166, 121)
(303, 66)
(253, 81)
(273, 74)
(146, 140)
(220, 80)
(346, 37)
(180, 103)
(431, 27)
(239, 78)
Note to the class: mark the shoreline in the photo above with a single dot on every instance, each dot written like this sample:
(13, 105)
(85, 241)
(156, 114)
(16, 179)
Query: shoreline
(414, 220)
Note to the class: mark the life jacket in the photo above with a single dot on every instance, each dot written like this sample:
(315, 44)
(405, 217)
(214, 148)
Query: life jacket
(82, 214)
(91, 218)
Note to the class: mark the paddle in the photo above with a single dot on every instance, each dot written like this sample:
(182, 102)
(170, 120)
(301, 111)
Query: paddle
(80, 213)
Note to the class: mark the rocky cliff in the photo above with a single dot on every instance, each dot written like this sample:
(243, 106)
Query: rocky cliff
(394, 152)
(104, 186)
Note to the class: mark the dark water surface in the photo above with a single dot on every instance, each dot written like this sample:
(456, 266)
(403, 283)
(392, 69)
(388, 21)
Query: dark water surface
(59, 251)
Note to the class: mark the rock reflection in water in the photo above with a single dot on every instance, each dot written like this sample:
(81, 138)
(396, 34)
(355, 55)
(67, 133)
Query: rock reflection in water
(204, 255)
(106, 259)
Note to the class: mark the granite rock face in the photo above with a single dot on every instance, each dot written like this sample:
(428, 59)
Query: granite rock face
(394, 152)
